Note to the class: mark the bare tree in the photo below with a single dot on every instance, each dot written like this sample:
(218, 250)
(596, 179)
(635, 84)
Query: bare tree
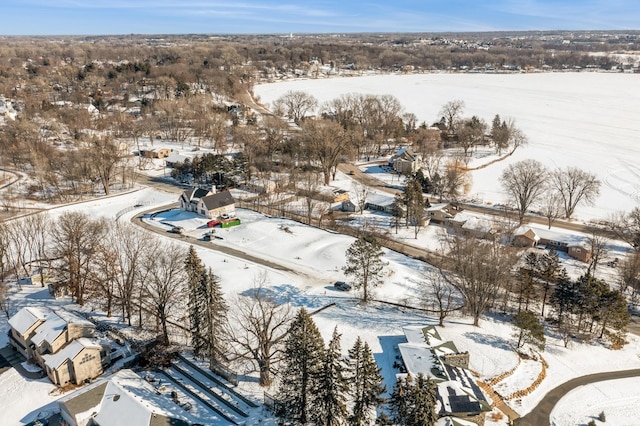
(360, 192)
(165, 284)
(451, 112)
(574, 186)
(105, 156)
(442, 294)
(481, 268)
(524, 183)
(258, 328)
(598, 247)
(76, 240)
(295, 105)
(326, 143)
(550, 206)
(626, 226)
(629, 275)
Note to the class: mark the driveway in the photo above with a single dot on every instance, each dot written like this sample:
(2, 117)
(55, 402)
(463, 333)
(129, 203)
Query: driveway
(541, 413)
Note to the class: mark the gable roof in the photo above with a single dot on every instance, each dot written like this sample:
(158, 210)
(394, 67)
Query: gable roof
(27, 317)
(137, 403)
(215, 201)
(55, 323)
(195, 193)
(70, 351)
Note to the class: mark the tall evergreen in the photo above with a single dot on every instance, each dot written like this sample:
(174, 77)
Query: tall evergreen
(366, 384)
(215, 315)
(195, 275)
(413, 402)
(303, 353)
(330, 408)
(207, 309)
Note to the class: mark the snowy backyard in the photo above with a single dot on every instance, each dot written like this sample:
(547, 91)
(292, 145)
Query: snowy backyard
(314, 259)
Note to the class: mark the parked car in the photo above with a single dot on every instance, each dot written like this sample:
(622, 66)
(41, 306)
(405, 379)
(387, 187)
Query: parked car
(177, 230)
(342, 286)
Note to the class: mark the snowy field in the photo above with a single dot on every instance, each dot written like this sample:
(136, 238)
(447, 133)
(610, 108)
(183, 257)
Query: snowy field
(618, 399)
(588, 120)
(314, 258)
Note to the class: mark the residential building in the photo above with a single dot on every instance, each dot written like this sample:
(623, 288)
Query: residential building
(425, 352)
(404, 161)
(442, 213)
(123, 398)
(61, 343)
(208, 203)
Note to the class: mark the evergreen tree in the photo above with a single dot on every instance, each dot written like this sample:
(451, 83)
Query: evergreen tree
(366, 384)
(215, 314)
(333, 387)
(530, 330)
(304, 349)
(364, 264)
(414, 203)
(414, 401)
(549, 269)
(195, 275)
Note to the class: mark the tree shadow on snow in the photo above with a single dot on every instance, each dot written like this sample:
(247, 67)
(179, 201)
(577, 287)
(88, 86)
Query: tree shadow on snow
(488, 339)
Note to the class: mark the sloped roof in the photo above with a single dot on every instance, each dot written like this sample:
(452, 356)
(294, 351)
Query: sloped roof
(215, 201)
(194, 193)
(55, 323)
(49, 330)
(137, 404)
(70, 351)
(25, 318)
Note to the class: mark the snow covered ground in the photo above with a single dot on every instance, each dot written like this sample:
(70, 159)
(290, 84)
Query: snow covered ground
(315, 258)
(618, 399)
(588, 120)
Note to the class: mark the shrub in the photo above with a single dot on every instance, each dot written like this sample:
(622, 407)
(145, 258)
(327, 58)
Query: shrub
(602, 417)
(591, 423)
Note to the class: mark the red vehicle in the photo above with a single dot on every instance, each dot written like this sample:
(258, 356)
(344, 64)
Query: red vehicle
(213, 223)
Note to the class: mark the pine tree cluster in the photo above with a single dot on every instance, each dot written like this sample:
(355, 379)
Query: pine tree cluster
(316, 381)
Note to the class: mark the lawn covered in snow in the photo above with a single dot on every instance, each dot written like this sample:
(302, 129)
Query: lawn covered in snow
(313, 259)
(588, 120)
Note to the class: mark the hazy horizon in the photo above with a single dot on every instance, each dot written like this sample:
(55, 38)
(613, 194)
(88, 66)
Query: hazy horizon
(119, 17)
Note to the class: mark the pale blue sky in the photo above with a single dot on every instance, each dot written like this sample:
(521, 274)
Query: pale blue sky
(54, 17)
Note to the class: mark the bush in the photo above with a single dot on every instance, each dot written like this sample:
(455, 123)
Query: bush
(591, 423)
(602, 417)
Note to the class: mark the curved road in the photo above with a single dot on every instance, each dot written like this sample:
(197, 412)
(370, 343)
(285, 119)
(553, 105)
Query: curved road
(542, 412)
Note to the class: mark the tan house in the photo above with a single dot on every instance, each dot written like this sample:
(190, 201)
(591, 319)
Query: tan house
(442, 213)
(59, 342)
(404, 161)
(526, 238)
(580, 251)
(155, 153)
(207, 203)
(80, 360)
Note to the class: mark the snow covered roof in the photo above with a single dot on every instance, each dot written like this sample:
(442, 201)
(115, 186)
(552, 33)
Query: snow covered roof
(55, 323)
(418, 359)
(379, 199)
(49, 330)
(25, 318)
(553, 235)
(175, 158)
(129, 399)
(70, 351)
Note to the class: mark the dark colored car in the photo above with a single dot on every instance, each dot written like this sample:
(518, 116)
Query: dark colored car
(342, 286)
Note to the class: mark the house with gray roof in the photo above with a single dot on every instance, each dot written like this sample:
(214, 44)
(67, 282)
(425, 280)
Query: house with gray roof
(208, 203)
